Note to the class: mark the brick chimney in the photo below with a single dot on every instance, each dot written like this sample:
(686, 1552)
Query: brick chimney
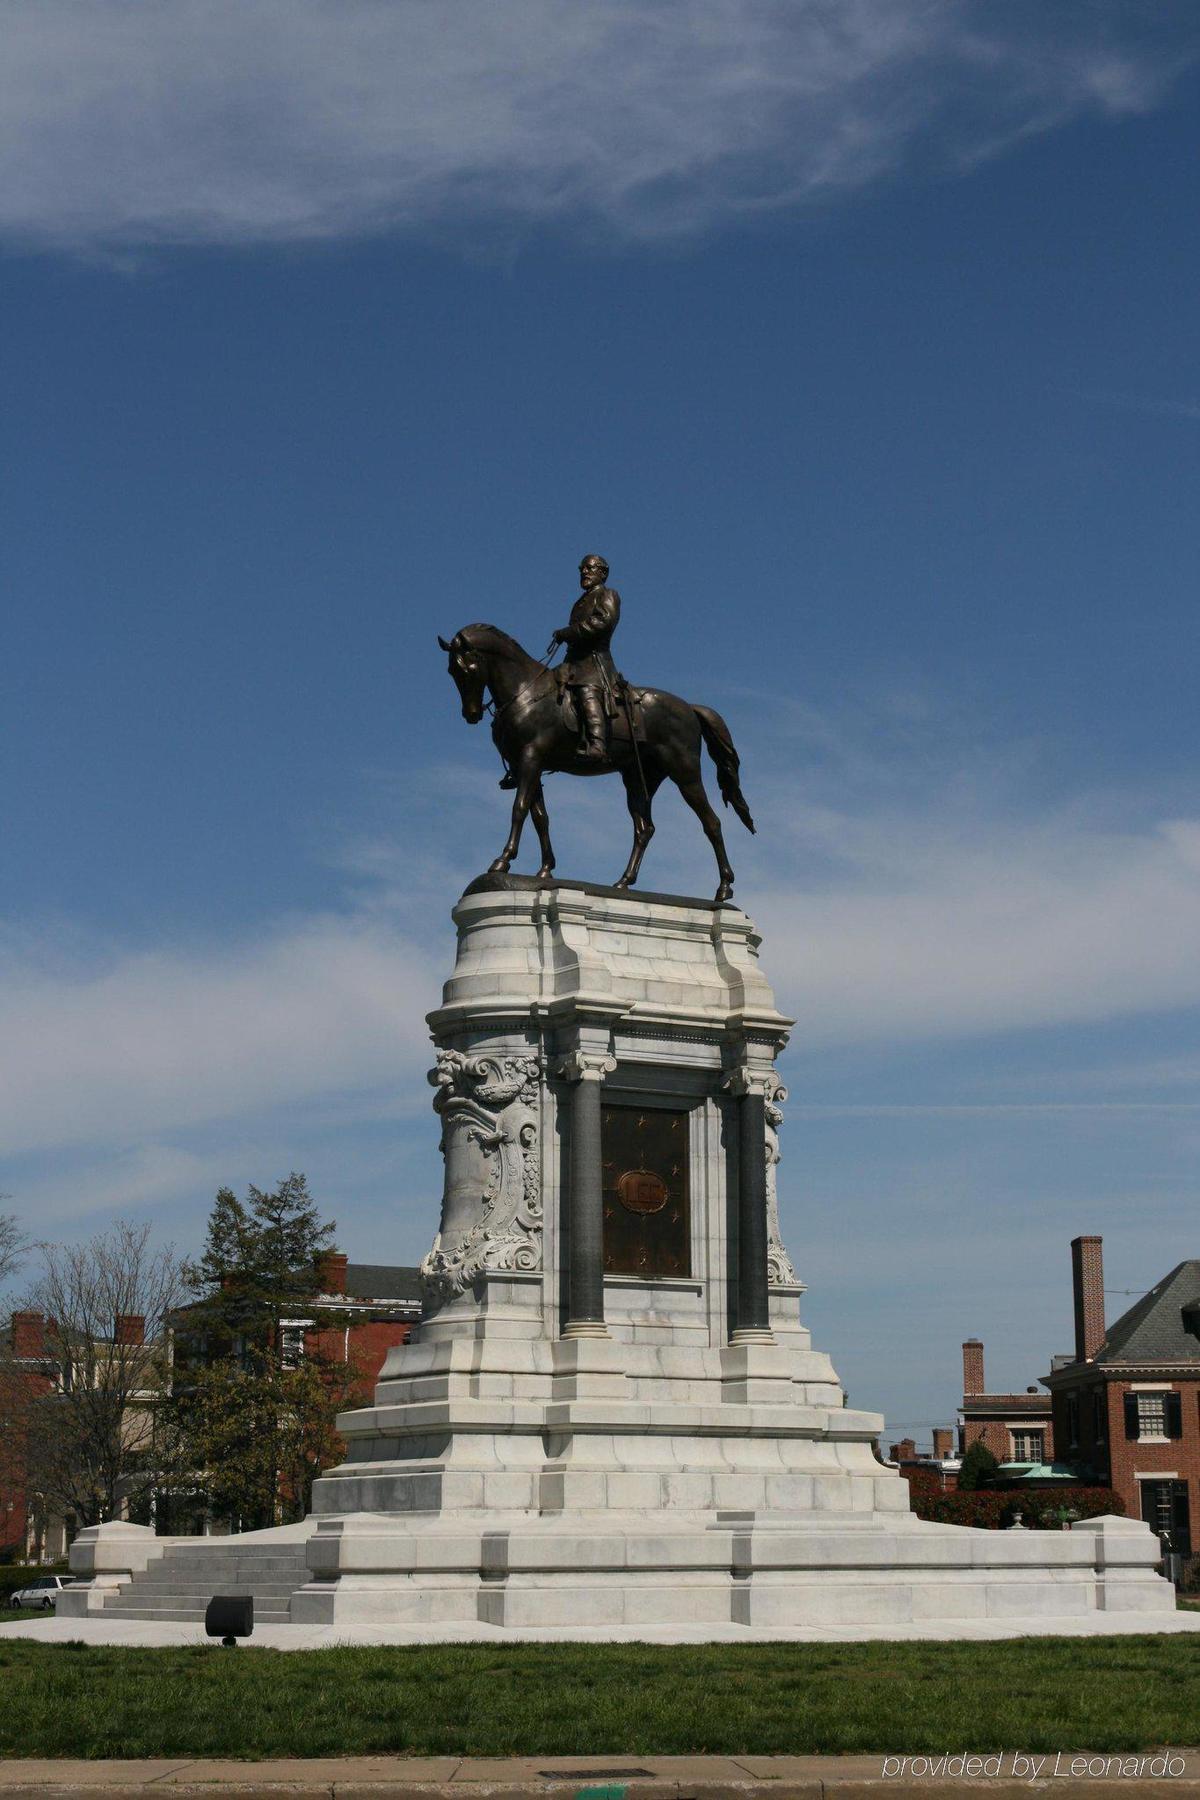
(1087, 1281)
(28, 1334)
(129, 1329)
(943, 1442)
(331, 1272)
(973, 1367)
(904, 1451)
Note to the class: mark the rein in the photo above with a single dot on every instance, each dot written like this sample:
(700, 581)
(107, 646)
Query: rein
(498, 712)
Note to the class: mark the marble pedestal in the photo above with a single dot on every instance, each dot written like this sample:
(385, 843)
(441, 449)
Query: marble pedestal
(672, 1450)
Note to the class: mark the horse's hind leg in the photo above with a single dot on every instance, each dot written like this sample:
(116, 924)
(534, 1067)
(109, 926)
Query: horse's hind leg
(639, 800)
(541, 824)
(691, 786)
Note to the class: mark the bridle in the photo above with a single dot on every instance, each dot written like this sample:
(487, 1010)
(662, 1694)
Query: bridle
(498, 712)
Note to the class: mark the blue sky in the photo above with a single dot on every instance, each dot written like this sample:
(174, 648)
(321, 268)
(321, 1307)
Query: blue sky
(862, 341)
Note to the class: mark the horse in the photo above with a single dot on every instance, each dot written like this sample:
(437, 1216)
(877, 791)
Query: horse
(535, 732)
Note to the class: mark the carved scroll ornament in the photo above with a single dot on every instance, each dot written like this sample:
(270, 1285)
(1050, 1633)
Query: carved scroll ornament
(780, 1269)
(491, 1200)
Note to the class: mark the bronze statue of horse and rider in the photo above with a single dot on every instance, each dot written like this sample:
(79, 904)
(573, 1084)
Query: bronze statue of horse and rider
(584, 719)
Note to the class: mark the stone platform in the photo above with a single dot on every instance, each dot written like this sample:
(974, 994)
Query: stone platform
(611, 1418)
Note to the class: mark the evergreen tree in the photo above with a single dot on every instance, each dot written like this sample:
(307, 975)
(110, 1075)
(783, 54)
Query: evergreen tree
(259, 1266)
(254, 1431)
(978, 1467)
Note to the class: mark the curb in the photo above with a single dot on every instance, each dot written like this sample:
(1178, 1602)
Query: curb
(1006, 1776)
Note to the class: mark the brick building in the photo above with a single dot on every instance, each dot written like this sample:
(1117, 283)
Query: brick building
(27, 1372)
(1127, 1402)
(940, 1461)
(1015, 1427)
(364, 1308)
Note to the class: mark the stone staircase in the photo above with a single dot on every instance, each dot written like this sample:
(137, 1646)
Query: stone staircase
(179, 1584)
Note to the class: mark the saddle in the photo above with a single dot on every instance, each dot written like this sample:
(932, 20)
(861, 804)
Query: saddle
(615, 700)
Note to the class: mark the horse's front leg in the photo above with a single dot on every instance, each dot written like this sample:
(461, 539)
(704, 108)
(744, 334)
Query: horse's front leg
(541, 824)
(528, 783)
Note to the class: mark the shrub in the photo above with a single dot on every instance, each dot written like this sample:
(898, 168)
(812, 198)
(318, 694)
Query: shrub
(1041, 1509)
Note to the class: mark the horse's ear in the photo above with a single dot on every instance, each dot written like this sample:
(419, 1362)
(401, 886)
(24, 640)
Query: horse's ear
(442, 642)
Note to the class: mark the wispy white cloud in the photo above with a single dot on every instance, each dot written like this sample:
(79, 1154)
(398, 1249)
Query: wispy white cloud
(243, 121)
(159, 1041)
(1052, 922)
(1047, 924)
(910, 889)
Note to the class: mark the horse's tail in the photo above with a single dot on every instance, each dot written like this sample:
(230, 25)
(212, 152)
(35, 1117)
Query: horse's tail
(719, 744)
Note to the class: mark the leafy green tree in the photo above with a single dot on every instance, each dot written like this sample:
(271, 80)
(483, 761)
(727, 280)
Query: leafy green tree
(978, 1467)
(262, 1439)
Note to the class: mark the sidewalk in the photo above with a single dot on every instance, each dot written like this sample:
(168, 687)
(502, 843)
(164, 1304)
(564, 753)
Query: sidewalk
(108, 1629)
(1098, 1777)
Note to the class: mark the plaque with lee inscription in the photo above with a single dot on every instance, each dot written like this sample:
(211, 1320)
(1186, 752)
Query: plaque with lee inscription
(647, 1211)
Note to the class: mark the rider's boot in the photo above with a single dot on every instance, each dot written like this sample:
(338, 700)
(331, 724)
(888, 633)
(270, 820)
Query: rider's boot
(592, 707)
(508, 779)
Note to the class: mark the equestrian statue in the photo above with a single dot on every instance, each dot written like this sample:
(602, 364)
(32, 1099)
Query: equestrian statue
(583, 718)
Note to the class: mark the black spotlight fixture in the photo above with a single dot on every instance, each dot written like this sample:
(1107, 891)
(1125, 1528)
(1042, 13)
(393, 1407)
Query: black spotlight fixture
(230, 1617)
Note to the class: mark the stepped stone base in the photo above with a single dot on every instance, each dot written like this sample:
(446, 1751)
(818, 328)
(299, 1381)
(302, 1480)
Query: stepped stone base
(605, 1569)
(629, 1574)
(135, 1575)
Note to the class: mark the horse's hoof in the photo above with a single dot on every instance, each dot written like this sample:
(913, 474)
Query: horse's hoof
(626, 881)
(724, 892)
(500, 866)
(545, 872)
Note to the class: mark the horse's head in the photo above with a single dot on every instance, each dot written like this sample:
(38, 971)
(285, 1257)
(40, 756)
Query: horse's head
(468, 666)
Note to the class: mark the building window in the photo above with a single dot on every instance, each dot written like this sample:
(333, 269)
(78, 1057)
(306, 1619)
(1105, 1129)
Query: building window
(1099, 1416)
(1073, 1421)
(1027, 1446)
(291, 1344)
(1165, 1511)
(1152, 1417)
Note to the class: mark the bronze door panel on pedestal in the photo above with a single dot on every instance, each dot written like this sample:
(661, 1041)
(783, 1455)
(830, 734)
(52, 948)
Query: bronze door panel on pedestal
(647, 1209)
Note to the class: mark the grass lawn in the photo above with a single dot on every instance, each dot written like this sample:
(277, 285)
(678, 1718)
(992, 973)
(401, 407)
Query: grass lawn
(628, 1699)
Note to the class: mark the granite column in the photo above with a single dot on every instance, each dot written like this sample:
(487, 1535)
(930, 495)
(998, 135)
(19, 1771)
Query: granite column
(585, 1197)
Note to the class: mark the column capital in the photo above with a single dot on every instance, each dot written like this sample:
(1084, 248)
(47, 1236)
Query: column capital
(586, 1065)
(748, 1079)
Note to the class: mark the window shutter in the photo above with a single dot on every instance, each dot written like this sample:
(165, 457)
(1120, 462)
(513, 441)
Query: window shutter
(1131, 1416)
(1174, 1411)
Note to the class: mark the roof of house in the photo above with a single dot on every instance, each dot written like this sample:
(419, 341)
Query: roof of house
(1153, 1329)
(1039, 1471)
(383, 1281)
(1005, 1403)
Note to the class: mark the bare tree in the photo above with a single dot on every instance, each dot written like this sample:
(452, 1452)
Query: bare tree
(107, 1307)
(13, 1245)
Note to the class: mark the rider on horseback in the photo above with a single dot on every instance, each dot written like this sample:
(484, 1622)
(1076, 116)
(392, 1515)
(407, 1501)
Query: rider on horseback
(588, 670)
